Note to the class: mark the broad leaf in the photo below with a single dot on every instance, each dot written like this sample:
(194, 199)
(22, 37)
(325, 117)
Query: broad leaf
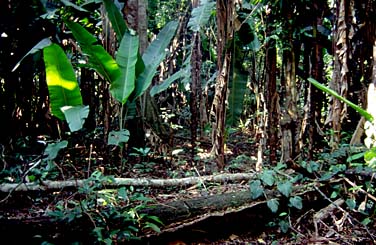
(296, 202)
(285, 188)
(61, 80)
(98, 58)
(267, 177)
(256, 189)
(70, 4)
(360, 110)
(201, 15)
(153, 56)
(126, 58)
(75, 116)
(273, 205)
(53, 149)
(117, 137)
(39, 46)
(237, 89)
(116, 19)
(166, 83)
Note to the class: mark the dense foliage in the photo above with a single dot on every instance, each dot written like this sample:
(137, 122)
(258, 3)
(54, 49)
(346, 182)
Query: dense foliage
(98, 89)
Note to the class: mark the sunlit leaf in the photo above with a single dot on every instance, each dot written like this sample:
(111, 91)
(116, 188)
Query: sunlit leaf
(61, 79)
(98, 58)
(360, 110)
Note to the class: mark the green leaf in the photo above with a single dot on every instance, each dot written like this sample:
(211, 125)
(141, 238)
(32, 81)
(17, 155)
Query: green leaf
(267, 177)
(152, 226)
(98, 58)
(53, 149)
(360, 110)
(117, 137)
(356, 156)
(370, 154)
(166, 83)
(126, 58)
(61, 80)
(284, 226)
(237, 90)
(285, 188)
(201, 15)
(116, 19)
(351, 203)
(70, 4)
(256, 189)
(296, 202)
(153, 56)
(123, 194)
(39, 46)
(273, 205)
(75, 116)
(155, 219)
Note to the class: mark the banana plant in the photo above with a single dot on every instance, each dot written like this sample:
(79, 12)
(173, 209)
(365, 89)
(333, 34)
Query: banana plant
(129, 74)
(64, 92)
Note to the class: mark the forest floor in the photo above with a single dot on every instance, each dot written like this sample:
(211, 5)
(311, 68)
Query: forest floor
(325, 217)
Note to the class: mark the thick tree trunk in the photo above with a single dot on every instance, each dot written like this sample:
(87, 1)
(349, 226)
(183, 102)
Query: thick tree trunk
(290, 113)
(340, 82)
(271, 95)
(236, 209)
(225, 32)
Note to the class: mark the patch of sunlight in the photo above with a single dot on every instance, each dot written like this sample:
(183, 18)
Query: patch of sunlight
(54, 79)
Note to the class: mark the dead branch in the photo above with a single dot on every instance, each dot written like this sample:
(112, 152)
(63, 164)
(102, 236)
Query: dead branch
(120, 182)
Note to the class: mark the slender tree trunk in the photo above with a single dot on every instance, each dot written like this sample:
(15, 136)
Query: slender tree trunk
(225, 32)
(195, 84)
(271, 95)
(109, 44)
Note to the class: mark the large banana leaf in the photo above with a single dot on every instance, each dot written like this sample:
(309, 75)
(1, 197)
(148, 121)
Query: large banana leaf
(120, 27)
(61, 80)
(98, 58)
(201, 15)
(325, 89)
(153, 56)
(237, 87)
(116, 19)
(166, 83)
(126, 57)
(39, 46)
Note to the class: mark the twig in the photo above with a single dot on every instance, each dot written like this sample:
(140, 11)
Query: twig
(350, 216)
(360, 189)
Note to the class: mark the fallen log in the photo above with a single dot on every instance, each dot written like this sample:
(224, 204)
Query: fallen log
(226, 210)
(120, 182)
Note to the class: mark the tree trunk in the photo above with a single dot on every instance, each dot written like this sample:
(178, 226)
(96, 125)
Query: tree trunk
(225, 32)
(290, 113)
(271, 95)
(196, 61)
(340, 80)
